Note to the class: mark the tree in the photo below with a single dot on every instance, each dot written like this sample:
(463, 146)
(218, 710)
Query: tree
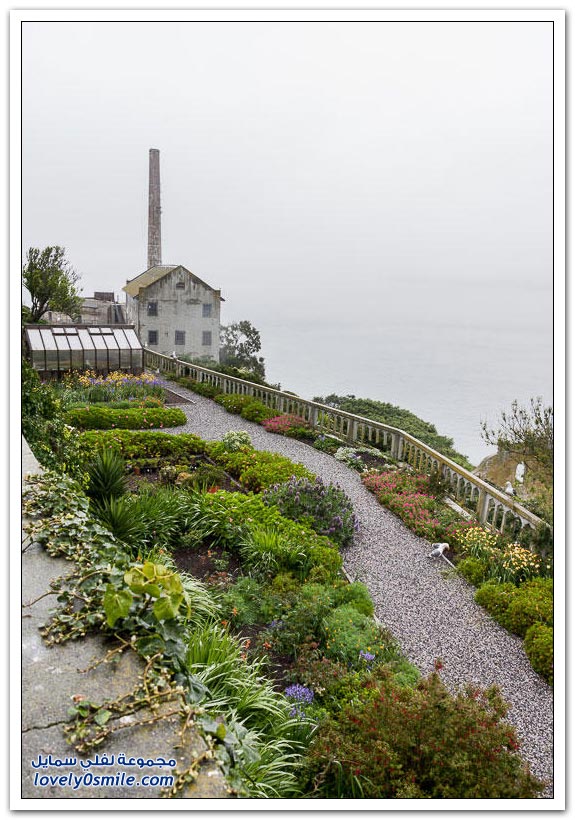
(239, 344)
(527, 433)
(51, 282)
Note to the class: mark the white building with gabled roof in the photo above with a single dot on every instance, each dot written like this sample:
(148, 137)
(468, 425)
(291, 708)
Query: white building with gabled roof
(174, 311)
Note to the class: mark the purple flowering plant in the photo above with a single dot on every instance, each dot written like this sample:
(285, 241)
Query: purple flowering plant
(301, 695)
(324, 507)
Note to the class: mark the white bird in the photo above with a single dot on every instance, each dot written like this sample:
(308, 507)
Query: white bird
(509, 488)
(438, 550)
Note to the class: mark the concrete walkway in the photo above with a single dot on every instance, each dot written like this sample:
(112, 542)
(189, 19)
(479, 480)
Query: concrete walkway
(51, 676)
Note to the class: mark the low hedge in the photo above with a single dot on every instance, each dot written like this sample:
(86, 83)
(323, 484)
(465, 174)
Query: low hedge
(474, 570)
(233, 402)
(137, 445)
(257, 412)
(518, 608)
(210, 391)
(124, 404)
(539, 649)
(96, 417)
(527, 611)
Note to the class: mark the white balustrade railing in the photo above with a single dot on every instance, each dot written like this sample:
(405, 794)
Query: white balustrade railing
(491, 506)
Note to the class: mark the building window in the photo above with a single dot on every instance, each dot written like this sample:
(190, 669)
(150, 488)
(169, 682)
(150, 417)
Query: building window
(180, 338)
(180, 285)
(207, 310)
(152, 337)
(152, 308)
(207, 337)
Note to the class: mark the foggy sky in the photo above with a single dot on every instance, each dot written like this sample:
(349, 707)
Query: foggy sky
(302, 165)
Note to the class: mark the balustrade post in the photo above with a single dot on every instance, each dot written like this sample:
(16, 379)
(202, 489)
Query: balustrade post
(351, 431)
(313, 415)
(482, 506)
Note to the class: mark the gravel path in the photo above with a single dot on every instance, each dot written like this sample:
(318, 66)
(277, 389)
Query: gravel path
(427, 607)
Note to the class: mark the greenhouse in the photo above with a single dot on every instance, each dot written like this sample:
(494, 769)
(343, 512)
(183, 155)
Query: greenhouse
(55, 349)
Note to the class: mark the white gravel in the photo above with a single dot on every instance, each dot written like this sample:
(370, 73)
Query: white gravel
(423, 603)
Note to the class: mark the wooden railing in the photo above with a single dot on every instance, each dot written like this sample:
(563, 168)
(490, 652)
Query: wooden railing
(492, 507)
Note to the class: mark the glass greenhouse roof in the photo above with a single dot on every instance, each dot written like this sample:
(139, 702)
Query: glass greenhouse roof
(83, 347)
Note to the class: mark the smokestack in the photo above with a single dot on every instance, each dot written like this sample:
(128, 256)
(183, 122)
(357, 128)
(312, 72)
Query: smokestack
(154, 211)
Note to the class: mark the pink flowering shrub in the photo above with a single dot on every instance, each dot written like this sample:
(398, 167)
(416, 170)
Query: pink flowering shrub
(407, 495)
(285, 424)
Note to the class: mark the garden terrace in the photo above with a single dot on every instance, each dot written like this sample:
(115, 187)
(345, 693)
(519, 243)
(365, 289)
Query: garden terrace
(432, 614)
(493, 508)
(288, 572)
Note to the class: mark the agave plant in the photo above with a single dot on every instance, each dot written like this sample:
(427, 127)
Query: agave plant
(117, 515)
(106, 475)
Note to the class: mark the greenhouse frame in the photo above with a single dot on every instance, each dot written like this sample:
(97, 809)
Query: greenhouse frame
(56, 349)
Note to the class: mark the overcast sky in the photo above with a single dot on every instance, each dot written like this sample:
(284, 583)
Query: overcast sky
(297, 160)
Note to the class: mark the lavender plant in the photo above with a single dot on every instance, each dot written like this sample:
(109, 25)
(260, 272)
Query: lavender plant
(325, 507)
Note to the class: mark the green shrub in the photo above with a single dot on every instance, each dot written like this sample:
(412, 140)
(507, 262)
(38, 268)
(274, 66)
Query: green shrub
(347, 633)
(202, 478)
(517, 608)
(136, 445)
(233, 402)
(209, 391)
(356, 594)
(206, 476)
(323, 563)
(258, 735)
(106, 475)
(257, 412)
(418, 742)
(240, 604)
(539, 649)
(301, 621)
(495, 597)
(474, 570)
(531, 603)
(326, 508)
(255, 469)
(235, 440)
(327, 444)
(100, 417)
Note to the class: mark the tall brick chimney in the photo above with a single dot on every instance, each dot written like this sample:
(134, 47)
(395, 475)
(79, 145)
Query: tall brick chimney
(154, 211)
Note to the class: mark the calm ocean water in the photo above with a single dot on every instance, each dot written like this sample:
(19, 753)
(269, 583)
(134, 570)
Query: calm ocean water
(453, 360)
